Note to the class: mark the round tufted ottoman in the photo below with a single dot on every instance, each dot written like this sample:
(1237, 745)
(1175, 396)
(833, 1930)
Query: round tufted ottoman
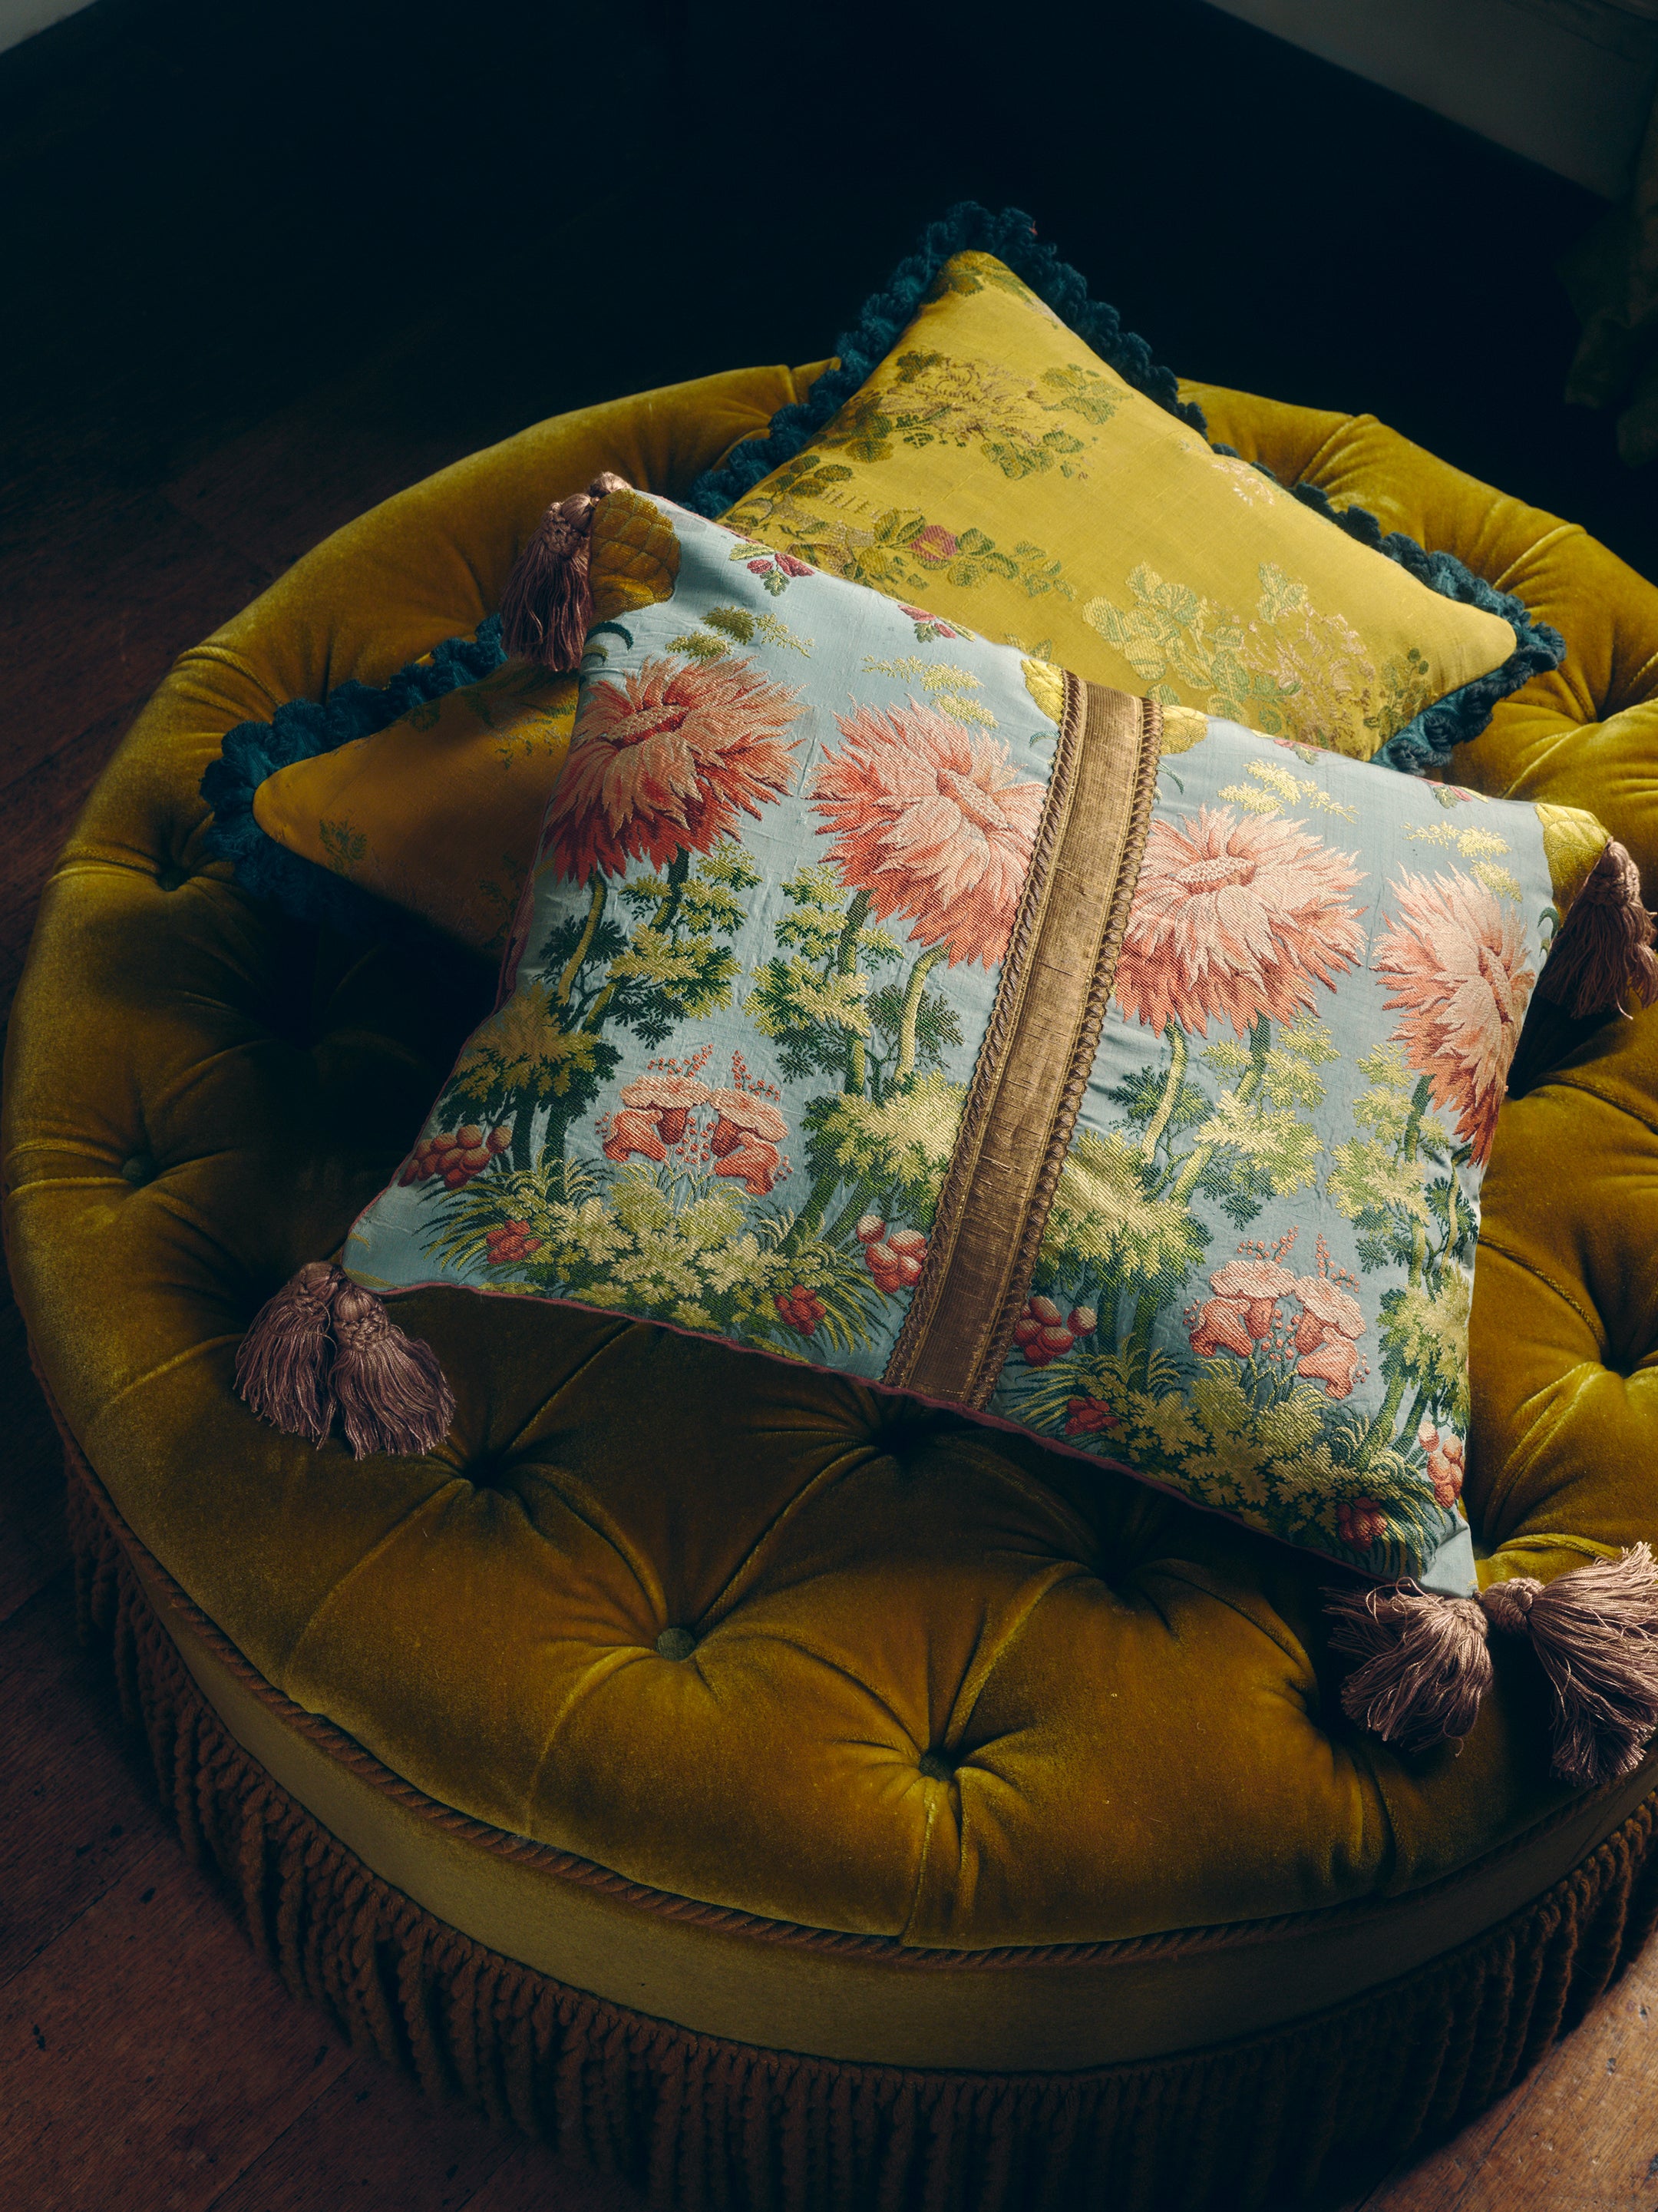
(794, 1797)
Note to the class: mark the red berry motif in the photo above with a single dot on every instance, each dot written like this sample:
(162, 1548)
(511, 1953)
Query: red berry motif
(894, 1257)
(1087, 1417)
(800, 1308)
(1445, 1455)
(455, 1155)
(1361, 1522)
(512, 1240)
(1042, 1333)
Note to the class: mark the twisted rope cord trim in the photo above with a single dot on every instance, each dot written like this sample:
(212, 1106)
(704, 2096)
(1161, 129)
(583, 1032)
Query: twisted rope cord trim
(1087, 1043)
(1243, 2124)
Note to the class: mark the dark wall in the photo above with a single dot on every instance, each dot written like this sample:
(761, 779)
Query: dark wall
(209, 202)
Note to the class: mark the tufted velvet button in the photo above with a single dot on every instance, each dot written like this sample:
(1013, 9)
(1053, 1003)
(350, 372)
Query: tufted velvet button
(139, 1169)
(487, 1470)
(935, 1765)
(676, 1644)
(169, 877)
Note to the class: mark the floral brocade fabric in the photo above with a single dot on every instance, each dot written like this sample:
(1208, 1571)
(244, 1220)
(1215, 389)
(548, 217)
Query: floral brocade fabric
(993, 469)
(755, 965)
(1254, 1281)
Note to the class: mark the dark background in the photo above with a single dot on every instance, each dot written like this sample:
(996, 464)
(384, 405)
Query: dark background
(511, 210)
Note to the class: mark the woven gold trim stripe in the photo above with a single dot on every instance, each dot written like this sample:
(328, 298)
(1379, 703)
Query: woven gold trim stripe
(1033, 1066)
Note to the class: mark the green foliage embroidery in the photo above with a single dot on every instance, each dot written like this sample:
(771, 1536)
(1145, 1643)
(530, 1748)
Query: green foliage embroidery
(1290, 671)
(345, 847)
(723, 627)
(947, 687)
(898, 550)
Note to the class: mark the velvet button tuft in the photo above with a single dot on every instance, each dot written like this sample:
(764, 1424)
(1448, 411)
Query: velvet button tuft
(169, 877)
(676, 1644)
(935, 1766)
(140, 1169)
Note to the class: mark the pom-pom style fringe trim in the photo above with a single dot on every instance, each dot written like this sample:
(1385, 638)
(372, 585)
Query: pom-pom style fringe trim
(967, 228)
(1428, 741)
(1425, 1665)
(300, 731)
(305, 728)
(1321, 2107)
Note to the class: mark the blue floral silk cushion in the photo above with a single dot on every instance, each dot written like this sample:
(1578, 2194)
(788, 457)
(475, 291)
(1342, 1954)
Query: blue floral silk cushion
(884, 999)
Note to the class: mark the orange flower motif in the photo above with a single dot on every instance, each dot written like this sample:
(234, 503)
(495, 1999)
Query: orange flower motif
(1455, 963)
(665, 760)
(1234, 918)
(929, 820)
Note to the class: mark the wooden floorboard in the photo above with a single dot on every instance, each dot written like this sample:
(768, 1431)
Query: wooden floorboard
(266, 266)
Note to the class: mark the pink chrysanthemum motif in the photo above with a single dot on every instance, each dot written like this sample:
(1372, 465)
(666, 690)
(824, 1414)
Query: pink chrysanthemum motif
(666, 759)
(1454, 960)
(1234, 918)
(931, 822)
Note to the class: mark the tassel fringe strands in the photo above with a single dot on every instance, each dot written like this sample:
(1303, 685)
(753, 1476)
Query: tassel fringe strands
(1316, 2110)
(322, 1347)
(548, 606)
(1604, 951)
(1425, 1662)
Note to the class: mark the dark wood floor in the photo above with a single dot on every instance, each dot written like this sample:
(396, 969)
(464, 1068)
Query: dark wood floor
(262, 272)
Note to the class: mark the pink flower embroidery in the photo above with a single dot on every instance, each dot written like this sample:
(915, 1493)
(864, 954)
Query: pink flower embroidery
(667, 760)
(1455, 964)
(929, 625)
(1257, 1282)
(930, 821)
(669, 1097)
(1331, 1322)
(934, 544)
(1218, 1325)
(745, 1138)
(1234, 918)
(633, 1131)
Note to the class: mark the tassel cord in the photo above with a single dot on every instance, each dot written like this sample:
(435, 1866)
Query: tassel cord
(1425, 1660)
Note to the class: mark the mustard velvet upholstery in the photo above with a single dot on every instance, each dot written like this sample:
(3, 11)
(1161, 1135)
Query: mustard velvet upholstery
(415, 1928)
(941, 1685)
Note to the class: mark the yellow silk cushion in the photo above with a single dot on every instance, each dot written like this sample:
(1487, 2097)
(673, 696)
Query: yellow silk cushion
(994, 469)
(439, 811)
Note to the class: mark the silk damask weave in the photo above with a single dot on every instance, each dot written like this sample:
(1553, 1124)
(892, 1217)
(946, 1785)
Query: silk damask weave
(994, 467)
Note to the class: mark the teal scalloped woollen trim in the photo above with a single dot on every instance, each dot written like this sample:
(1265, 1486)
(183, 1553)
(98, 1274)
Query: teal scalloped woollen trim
(298, 731)
(1426, 742)
(748, 1006)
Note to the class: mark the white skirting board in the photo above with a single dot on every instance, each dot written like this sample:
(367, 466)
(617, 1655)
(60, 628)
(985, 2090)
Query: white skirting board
(1566, 82)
